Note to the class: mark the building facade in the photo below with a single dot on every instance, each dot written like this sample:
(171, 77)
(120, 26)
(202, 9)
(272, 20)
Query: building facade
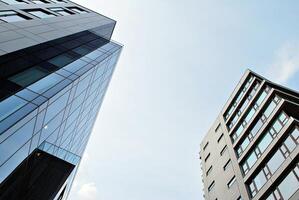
(56, 62)
(252, 149)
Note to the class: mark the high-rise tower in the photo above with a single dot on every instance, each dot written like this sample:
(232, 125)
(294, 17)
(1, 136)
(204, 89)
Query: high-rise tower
(56, 61)
(252, 149)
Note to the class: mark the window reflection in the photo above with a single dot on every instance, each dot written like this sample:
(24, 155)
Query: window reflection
(10, 105)
(28, 76)
(46, 83)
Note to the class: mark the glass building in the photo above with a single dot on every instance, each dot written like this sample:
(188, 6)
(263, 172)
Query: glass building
(56, 62)
(252, 149)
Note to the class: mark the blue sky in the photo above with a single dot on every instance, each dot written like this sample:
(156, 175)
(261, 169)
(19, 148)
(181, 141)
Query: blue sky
(180, 62)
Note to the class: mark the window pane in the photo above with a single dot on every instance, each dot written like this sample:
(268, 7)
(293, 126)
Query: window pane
(15, 141)
(46, 83)
(11, 18)
(14, 2)
(261, 98)
(264, 143)
(289, 186)
(260, 180)
(39, 1)
(276, 160)
(78, 10)
(290, 144)
(10, 105)
(277, 126)
(250, 115)
(56, 107)
(61, 60)
(14, 161)
(75, 66)
(28, 76)
(245, 143)
(269, 109)
(257, 127)
(40, 14)
(295, 134)
(251, 159)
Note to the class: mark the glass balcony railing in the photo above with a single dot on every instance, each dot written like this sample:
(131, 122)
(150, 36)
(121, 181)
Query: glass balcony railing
(60, 153)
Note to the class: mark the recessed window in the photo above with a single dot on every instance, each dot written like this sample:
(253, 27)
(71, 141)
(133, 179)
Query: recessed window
(40, 13)
(29, 76)
(231, 182)
(217, 128)
(11, 16)
(11, 2)
(39, 1)
(209, 170)
(220, 138)
(226, 165)
(78, 10)
(223, 150)
(206, 145)
(57, 1)
(207, 157)
(211, 186)
(61, 11)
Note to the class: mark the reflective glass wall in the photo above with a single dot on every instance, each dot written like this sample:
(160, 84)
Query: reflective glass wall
(50, 99)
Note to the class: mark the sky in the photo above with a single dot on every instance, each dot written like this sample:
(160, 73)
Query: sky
(180, 62)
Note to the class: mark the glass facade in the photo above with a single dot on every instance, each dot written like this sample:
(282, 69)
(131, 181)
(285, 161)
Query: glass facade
(239, 112)
(238, 98)
(264, 142)
(255, 151)
(275, 161)
(252, 110)
(287, 187)
(56, 90)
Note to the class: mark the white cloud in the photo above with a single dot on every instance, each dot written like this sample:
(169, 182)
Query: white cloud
(88, 191)
(286, 63)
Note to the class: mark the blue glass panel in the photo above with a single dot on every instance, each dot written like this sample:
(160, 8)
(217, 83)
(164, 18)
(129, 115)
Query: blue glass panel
(82, 85)
(72, 117)
(14, 161)
(56, 107)
(84, 69)
(74, 66)
(63, 72)
(57, 88)
(27, 94)
(93, 55)
(51, 126)
(78, 101)
(61, 60)
(16, 116)
(46, 83)
(15, 141)
(39, 100)
(39, 121)
(34, 142)
(29, 76)
(10, 105)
